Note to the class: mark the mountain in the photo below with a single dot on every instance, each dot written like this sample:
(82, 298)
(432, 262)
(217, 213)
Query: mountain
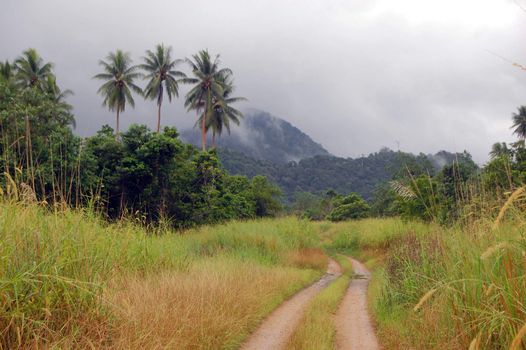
(262, 136)
(266, 145)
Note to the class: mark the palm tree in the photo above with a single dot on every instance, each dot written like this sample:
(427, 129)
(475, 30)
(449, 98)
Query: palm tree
(162, 76)
(223, 112)
(58, 96)
(519, 122)
(7, 71)
(208, 85)
(51, 88)
(119, 76)
(31, 71)
(499, 149)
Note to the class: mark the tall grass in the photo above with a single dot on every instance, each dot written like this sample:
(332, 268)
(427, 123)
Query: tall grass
(214, 305)
(479, 278)
(435, 287)
(63, 275)
(369, 239)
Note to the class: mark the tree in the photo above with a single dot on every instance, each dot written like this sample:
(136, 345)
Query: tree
(383, 202)
(519, 122)
(419, 198)
(51, 88)
(7, 71)
(119, 76)
(266, 196)
(31, 70)
(57, 95)
(35, 138)
(223, 112)
(162, 75)
(499, 149)
(208, 79)
(350, 207)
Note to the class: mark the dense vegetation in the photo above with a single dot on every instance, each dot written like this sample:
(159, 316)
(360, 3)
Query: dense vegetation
(320, 173)
(151, 176)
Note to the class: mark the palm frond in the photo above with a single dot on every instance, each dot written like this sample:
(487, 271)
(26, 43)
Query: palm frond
(402, 190)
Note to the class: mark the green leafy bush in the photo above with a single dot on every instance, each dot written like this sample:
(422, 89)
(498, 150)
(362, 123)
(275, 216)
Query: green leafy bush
(350, 207)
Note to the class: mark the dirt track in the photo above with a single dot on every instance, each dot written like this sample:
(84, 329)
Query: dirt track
(278, 327)
(354, 330)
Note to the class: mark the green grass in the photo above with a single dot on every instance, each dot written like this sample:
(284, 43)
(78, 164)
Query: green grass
(60, 273)
(356, 235)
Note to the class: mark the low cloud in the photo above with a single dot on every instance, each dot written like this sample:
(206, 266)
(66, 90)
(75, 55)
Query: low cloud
(355, 75)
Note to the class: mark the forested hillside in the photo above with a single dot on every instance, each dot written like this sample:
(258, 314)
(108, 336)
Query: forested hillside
(267, 145)
(263, 136)
(344, 175)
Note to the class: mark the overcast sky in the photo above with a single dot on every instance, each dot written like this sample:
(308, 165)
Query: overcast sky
(355, 75)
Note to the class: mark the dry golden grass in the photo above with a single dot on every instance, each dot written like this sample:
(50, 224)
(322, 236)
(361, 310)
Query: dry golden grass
(214, 305)
(313, 258)
(516, 344)
(71, 281)
(514, 196)
(424, 299)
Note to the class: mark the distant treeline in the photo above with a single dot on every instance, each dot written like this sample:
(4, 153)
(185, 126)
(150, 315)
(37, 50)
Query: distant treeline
(320, 173)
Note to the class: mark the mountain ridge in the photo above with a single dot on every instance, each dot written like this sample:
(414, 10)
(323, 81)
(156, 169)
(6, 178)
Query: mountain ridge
(275, 151)
(263, 136)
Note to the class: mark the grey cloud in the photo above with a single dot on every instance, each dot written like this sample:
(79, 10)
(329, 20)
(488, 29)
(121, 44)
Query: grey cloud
(355, 75)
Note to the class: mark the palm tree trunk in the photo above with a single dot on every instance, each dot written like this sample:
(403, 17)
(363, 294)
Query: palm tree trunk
(159, 119)
(203, 132)
(117, 128)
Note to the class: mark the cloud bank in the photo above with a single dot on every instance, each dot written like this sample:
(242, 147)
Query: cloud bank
(355, 75)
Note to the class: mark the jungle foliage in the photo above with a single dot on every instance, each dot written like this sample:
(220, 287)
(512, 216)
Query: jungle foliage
(151, 176)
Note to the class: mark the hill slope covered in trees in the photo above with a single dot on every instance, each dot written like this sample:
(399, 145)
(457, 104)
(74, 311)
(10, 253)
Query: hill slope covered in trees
(266, 145)
(263, 136)
(344, 175)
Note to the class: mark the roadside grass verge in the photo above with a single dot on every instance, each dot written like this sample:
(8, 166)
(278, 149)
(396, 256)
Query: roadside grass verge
(465, 287)
(434, 287)
(71, 280)
(317, 330)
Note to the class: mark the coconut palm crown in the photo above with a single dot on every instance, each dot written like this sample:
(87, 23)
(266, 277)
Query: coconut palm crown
(499, 149)
(519, 122)
(162, 76)
(31, 70)
(208, 80)
(223, 111)
(119, 76)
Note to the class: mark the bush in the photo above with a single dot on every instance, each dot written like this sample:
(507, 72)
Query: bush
(350, 207)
